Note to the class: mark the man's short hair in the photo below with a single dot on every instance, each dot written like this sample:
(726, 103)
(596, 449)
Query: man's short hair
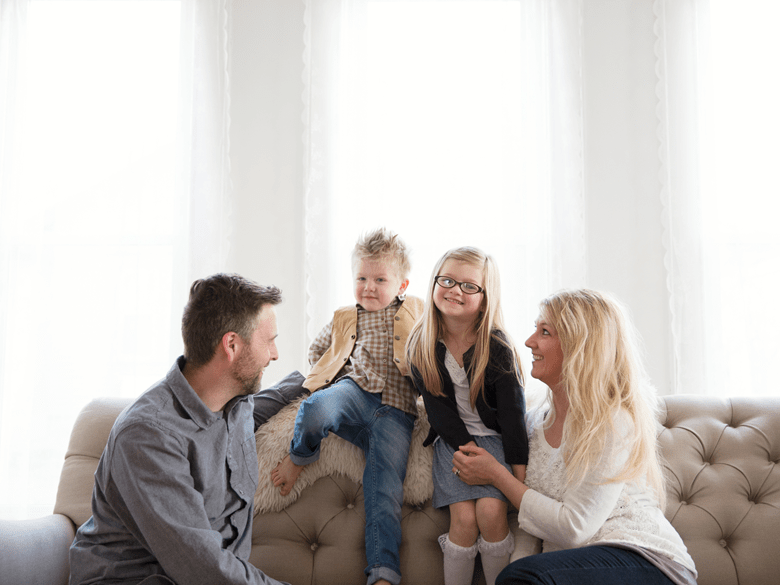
(217, 305)
(383, 245)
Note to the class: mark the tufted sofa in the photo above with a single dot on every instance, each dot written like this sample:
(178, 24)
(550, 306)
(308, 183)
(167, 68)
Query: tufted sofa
(724, 499)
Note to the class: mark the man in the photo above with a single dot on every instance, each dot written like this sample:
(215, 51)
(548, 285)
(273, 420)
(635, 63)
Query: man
(174, 488)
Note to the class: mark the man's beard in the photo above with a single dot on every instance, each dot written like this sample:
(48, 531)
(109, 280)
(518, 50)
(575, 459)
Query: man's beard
(250, 383)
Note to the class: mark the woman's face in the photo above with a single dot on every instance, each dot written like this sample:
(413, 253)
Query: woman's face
(545, 346)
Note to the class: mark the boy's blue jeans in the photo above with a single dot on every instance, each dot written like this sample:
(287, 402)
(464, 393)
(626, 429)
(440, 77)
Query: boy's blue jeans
(589, 565)
(384, 433)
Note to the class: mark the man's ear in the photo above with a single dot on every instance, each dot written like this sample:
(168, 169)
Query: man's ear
(230, 345)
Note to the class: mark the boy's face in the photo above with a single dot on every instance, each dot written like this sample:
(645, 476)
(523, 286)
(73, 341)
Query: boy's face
(377, 283)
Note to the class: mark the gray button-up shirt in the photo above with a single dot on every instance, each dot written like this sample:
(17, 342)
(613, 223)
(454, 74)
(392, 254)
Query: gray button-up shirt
(173, 493)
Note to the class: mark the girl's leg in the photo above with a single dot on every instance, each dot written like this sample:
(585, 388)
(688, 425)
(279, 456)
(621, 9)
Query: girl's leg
(459, 545)
(463, 523)
(589, 565)
(458, 561)
(496, 542)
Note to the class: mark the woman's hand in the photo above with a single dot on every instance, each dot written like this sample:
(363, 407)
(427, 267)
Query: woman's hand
(475, 466)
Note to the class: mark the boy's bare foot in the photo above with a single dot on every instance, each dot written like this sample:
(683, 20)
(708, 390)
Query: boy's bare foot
(285, 475)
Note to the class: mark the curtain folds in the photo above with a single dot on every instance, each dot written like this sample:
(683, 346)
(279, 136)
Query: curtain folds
(679, 86)
(467, 133)
(114, 196)
(718, 91)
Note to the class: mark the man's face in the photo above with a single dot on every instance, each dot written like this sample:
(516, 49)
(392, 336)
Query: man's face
(257, 352)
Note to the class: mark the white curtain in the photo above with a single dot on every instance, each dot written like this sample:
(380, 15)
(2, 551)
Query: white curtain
(451, 123)
(718, 92)
(115, 193)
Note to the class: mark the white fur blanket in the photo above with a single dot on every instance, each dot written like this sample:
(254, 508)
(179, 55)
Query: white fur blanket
(337, 456)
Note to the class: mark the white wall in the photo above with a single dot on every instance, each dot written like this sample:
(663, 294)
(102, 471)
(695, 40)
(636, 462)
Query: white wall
(267, 162)
(625, 253)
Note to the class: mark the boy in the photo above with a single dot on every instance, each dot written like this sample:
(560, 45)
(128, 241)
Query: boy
(361, 393)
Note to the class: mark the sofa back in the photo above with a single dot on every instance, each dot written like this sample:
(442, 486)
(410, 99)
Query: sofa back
(723, 485)
(723, 480)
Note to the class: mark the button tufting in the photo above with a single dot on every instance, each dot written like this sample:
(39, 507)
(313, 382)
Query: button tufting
(683, 503)
(723, 543)
(350, 506)
(314, 546)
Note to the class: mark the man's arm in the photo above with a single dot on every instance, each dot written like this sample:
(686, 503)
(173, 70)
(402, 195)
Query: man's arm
(156, 498)
(271, 400)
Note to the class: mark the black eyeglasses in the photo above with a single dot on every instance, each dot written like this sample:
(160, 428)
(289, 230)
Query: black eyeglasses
(467, 287)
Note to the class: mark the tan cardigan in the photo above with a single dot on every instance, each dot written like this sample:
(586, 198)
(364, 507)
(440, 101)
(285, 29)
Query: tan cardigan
(344, 336)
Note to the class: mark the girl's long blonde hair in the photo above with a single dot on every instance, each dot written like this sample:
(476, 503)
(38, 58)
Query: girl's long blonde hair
(602, 375)
(421, 346)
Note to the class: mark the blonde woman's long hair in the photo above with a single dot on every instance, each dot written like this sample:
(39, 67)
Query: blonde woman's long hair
(601, 375)
(421, 346)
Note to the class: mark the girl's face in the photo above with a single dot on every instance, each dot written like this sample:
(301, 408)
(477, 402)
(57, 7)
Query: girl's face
(545, 346)
(453, 303)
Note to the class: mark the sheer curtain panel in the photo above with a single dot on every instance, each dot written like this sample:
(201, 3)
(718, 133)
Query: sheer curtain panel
(452, 124)
(718, 90)
(114, 175)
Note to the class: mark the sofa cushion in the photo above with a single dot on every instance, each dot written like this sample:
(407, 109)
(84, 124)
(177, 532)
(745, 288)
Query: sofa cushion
(87, 441)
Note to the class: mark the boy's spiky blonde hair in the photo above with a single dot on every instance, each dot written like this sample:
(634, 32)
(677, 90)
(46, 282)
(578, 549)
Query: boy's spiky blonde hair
(381, 244)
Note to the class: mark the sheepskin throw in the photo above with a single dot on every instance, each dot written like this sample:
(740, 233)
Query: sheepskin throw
(337, 456)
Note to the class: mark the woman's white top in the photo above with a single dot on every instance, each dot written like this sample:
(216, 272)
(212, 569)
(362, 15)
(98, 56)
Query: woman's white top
(460, 383)
(624, 513)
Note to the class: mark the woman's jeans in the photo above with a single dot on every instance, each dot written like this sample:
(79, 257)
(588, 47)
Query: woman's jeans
(589, 565)
(384, 433)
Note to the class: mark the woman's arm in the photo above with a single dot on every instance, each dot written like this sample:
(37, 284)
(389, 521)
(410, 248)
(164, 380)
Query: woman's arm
(576, 516)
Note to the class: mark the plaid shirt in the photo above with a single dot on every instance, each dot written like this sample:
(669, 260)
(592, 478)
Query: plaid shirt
(378, 376)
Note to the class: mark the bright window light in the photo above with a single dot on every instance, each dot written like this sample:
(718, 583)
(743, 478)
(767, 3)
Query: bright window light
(93, 244)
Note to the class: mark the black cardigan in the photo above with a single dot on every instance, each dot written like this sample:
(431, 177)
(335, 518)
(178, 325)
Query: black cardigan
(502, 409)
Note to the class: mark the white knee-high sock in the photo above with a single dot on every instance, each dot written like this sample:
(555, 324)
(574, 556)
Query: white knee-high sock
(458, 561)
(495, 556)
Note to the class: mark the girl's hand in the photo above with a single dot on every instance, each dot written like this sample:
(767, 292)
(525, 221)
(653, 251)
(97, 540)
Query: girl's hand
(475, 466)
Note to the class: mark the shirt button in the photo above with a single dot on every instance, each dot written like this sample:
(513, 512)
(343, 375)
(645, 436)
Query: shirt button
(397, 361)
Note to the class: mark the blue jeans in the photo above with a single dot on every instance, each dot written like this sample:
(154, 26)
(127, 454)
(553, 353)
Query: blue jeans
(384, 433)
(589, 565)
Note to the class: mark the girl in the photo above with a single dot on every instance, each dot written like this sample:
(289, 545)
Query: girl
(465, 366)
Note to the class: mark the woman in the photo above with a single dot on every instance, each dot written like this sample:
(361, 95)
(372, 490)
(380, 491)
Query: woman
(594, 492)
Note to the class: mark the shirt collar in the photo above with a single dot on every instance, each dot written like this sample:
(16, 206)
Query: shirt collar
(188, 398)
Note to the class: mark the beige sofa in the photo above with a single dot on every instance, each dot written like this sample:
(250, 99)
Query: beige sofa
(724, 499)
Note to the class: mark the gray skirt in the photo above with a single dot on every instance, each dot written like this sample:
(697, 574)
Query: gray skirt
(448, 487)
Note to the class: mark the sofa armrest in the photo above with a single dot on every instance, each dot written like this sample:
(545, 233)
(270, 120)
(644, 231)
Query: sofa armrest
(36, 551)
